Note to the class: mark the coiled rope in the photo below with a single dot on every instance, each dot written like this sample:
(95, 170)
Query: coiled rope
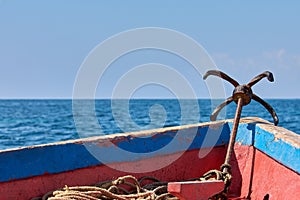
(123, 188)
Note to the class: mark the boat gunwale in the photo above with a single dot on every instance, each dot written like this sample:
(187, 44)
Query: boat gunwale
(252, 125)
(136, 134)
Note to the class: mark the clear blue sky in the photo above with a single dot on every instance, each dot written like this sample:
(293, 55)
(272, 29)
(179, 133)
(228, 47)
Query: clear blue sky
(43, 43)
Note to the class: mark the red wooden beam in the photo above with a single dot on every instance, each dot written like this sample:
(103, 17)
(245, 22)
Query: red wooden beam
(195, 190)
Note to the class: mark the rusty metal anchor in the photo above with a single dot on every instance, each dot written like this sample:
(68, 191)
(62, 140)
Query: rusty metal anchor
(242, 91)
(242, 95)
(206, 187)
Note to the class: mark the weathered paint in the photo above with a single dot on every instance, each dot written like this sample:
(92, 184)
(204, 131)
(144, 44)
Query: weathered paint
(277, 142)
(242, 167)
(186, 167)
(195, 190)
(27, 162)
(280, 144)
(271, 166)
(272, 179)
(66, 156)
(246, 133)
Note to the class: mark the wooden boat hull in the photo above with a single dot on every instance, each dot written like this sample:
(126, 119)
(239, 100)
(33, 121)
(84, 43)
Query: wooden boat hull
(265, 163)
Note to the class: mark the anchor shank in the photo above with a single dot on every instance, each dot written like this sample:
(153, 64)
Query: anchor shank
(233, 134)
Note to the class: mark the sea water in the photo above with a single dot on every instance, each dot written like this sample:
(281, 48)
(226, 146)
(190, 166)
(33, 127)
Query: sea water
(32, 122)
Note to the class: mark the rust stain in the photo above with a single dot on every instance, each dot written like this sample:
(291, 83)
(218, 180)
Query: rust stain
(117, 140)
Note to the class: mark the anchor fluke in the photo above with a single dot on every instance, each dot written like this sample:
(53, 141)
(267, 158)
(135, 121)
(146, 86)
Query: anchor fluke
(243, 92)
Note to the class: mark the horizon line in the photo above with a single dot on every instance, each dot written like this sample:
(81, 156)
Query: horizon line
(137, 98)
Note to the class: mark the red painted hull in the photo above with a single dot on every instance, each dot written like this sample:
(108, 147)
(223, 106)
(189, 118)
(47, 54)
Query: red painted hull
(186, 167)
(255, 175)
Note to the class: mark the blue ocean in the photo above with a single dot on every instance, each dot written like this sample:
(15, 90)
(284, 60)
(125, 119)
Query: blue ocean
(33, 122)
